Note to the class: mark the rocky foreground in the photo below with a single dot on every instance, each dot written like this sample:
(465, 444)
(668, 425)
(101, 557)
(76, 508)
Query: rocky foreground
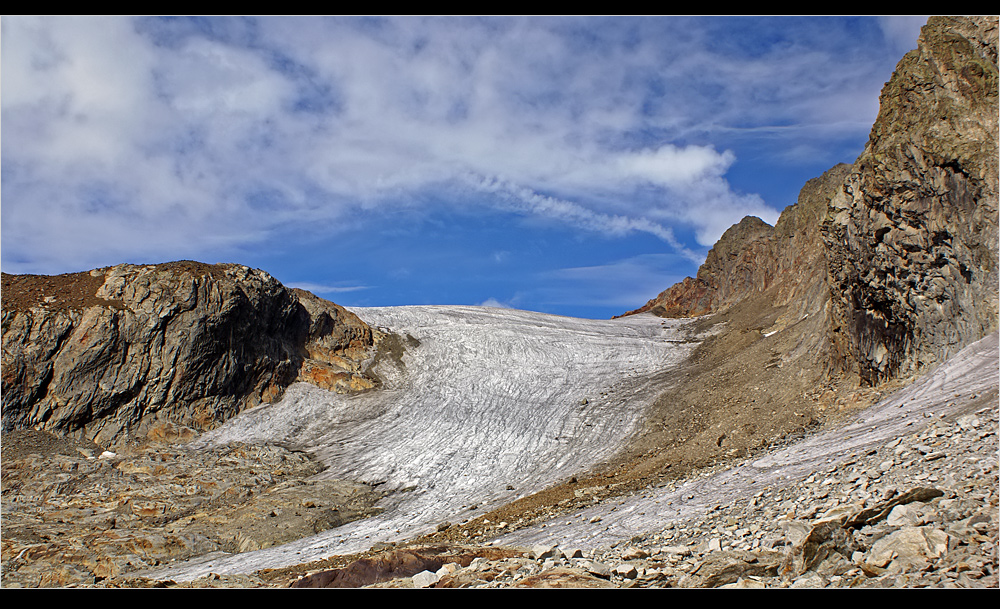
(917, 508)
(75, 514)
(920, 511)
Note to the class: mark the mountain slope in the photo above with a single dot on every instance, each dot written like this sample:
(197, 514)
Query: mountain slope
(521, 414)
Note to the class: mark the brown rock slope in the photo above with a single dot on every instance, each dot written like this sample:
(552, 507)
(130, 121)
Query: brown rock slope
(786, 260)
(107, 354)
(764, 373)
(912, 237)
(878, 270)
(733, 268)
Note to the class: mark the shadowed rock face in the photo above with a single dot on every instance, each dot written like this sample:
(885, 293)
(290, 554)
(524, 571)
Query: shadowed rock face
(107, 354)
(912, 238)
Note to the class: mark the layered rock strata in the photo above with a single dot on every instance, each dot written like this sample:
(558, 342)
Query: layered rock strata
(912, 237)
(107, 354)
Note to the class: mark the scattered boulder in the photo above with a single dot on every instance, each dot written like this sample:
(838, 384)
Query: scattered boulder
(563, 577)
(909, 546)
(726, 567)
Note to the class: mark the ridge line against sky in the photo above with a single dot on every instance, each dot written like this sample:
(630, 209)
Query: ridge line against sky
(570, 165)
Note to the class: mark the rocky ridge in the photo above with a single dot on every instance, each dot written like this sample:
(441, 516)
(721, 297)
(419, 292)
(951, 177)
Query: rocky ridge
(904, 243)
(784, 263)
(736, 265)
(109, 354)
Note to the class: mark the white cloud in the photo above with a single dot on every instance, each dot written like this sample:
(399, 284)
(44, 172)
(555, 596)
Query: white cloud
(195, 144)
(525, 200)
(675, 167)
(493, 302)
(902, 31)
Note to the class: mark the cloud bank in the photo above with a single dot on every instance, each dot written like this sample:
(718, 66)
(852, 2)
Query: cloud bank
(129, 138)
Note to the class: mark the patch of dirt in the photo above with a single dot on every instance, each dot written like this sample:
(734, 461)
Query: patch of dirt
(398, 563)
(75, 291)
(390, 349)
(58, 292)
(18, 444)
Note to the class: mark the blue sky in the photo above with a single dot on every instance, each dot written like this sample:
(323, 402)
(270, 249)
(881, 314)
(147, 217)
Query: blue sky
(576, 166)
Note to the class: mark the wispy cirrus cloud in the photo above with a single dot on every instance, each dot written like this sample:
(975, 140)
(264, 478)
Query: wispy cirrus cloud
(618, 284)
(131, 138)
(318, 288)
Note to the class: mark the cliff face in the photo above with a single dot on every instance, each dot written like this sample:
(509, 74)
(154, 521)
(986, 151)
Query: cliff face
(108, 354)
(904, 244)
(912, 237)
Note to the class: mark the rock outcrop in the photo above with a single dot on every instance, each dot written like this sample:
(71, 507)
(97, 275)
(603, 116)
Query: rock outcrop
(108, 354)
(752, 258)
(912, 238)
(904, 244)
(738, 264)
